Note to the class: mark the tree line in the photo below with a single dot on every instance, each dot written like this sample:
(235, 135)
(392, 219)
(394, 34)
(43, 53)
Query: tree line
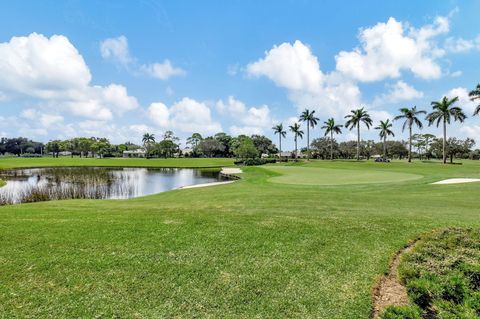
(442, 114)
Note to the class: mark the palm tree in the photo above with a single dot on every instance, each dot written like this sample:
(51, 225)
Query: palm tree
(410, 116)
(385, 130)
(330, 127)
(278, 129)
(297, 132)
(194, 139)
(147, 140)
(475, 95)
(311, 120)
(358, 116)
(443, 111)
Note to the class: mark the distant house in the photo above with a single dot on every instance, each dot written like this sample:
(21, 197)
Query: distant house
(186, 151)
(134, 153)
(292, 154)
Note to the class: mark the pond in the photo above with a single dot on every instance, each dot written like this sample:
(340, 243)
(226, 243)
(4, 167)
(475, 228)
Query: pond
(40, 184)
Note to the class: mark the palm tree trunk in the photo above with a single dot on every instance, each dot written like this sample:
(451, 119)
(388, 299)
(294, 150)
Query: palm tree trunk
(308, 141)
(331, 145)
(384, 148)
(444, 140)
(295, 148)
(410, 143)
(358, 141)
(280, 143)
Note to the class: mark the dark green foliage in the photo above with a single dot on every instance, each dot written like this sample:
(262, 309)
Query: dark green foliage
(256, 161)
(402, 312)
(442, 274)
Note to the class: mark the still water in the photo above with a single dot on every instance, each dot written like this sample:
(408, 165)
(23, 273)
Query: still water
(38, 184)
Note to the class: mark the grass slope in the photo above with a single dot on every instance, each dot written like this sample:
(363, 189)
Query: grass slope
(248, 249)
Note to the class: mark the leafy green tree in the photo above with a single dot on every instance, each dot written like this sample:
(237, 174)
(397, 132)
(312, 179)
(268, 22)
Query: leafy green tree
(166, 148)
(263, 144)
(475, 95)
(278, 129)
(411, 118)
(311, 120)
(324, 147)
(246, 149)
(225, 140)
(297, 132)
(148, 140)
(194, 140)
(331, 127)
(454, 147)
(385, 129)
(443, 111)
(357, 117)
(210, 147)
(53, 147)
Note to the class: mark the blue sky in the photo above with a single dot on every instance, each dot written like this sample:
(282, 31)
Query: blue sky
(119, 69)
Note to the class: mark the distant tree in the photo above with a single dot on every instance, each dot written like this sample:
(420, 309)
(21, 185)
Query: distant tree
(148, 140)
(225, 140)
(475, 95)
(443, 111)
(297, 132)
(166, 148)
(311, 120)
(454, 148)
(263, 144)
(385, 129)
(246, 149)
(324, 147)
(357, 117)
(331, 127)
(194, 140)
(348, 149)
(210, 147)
(53, 147)
(278, 129)
(411, 118)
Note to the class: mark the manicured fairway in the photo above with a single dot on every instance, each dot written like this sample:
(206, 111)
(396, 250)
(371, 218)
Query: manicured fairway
(251, 249)
(336, 176)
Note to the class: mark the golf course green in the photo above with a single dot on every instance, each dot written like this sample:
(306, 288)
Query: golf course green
(304, 240)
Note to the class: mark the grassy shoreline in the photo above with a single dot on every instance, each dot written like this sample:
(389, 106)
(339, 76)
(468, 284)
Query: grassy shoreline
(254, 248)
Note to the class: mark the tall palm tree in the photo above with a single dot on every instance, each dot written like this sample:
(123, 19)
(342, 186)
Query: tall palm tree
(297, 132)
(358, 116)
(410, 116)
(312, 121)
(147, 140)
(330, 127)
(443, 111)
(278, 129)
(475, 95)
(385, 130)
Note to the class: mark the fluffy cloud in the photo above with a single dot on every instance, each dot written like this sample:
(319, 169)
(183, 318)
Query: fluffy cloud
(471, 131)
(388, 48)
(116, 50)
(186, 115)
(463, 99)
(290, 66)
(252, 120)
(295, 68)
(400, 91)
(52, 71)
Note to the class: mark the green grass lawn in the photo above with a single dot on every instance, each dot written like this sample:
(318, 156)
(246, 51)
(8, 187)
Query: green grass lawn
(257, 248)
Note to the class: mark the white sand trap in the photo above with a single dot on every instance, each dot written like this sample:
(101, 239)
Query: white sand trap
(457, 181)
(206, 184)
(225, 170)
(231, 170)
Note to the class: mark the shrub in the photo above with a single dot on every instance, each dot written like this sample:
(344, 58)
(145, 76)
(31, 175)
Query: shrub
(402, 312)
(423, 291)
(455, 287)
(256, 161)
(450, 310)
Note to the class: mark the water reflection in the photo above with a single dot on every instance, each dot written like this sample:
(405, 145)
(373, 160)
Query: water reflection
(38, 184)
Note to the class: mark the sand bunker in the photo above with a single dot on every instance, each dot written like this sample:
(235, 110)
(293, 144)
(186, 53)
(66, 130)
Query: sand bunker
(457, 181)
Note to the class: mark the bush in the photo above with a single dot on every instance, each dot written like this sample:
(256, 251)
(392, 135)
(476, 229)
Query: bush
(256, 161)
(455, 288)
(402, 312)
(423, 291)
(30, 155)
(449, 310)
